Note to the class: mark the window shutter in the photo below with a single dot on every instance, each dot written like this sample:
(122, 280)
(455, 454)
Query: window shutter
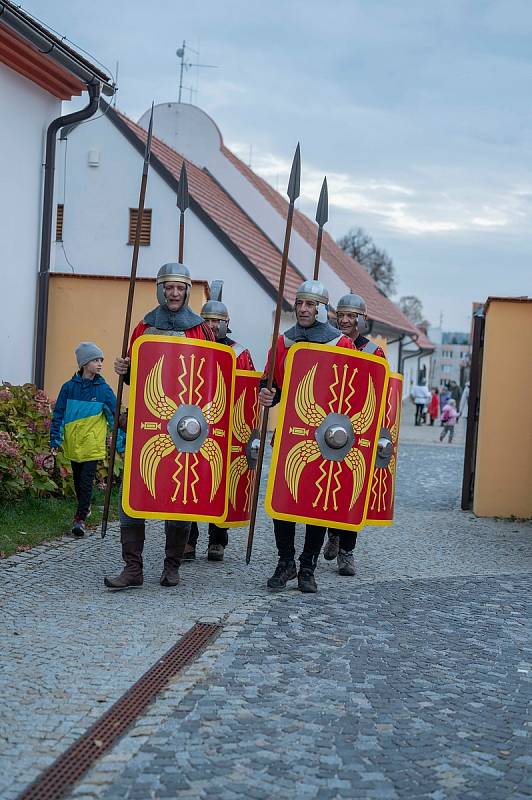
(145, 230)
(59, 223)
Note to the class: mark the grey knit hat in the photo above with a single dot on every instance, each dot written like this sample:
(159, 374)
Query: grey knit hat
(86, 351)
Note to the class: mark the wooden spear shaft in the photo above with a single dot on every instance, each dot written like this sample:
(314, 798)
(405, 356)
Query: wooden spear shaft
(127, 327)
(293, 193)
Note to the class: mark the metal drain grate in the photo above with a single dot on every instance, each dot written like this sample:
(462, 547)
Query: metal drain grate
(65, 771)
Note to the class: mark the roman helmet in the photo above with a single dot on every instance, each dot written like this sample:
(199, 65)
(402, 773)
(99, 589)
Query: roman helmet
(315, 290)
(215, 309)
(355, 303)
(173, 272)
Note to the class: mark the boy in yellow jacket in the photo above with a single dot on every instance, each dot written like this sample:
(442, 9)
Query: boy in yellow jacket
(83, 411)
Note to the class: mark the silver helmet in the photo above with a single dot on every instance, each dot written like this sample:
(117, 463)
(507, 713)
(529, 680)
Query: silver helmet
(172, 272)
(215, 309)
(352, 302)
(313, 290)
(355, 303)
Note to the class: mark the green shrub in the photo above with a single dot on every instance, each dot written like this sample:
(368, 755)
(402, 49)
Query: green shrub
(25, 464)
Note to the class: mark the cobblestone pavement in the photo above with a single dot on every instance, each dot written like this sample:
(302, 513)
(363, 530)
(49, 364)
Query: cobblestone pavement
(408, 680)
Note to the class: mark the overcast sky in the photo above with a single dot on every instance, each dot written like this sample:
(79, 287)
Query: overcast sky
(418, 112)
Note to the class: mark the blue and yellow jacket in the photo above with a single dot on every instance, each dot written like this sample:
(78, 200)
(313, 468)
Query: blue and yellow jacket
(82, 413)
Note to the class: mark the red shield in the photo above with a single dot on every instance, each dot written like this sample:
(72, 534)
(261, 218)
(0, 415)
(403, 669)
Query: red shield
(326, 437)
(179, 429)
(382, 494)
(245, 434)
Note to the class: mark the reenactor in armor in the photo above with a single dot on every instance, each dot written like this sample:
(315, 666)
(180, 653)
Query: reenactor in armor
(352, 320)
(216, 316)
(311, 302)
(171, 317)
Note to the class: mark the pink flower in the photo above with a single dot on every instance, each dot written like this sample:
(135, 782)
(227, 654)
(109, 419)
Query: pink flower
(5, 394)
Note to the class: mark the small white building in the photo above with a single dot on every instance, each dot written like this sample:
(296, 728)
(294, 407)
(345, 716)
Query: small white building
(234, 227)
(37, 73)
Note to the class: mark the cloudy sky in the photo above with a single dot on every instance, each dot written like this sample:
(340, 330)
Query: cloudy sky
(418, 112)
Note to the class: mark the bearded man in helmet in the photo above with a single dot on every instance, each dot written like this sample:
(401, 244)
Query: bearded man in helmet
(172, 317)
(352, 320)
(216, 316)
(311, 303)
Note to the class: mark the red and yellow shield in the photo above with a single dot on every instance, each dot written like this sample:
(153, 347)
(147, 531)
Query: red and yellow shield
(326, 437)
(382, 493)
(179, 429)
(244, 448)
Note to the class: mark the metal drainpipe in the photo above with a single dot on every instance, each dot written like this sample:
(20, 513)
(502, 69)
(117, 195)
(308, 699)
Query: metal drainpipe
(46, 230)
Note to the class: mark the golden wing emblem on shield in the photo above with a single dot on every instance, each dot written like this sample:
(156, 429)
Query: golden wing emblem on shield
(306, 407)
(214, 409)
(238, 468)
(297, 459)
(361, 421)
(241, 429)
(357, 465)
(155, 398)
(152, 452)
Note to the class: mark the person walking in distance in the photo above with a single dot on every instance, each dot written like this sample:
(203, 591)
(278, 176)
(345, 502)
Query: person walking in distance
(449, 418)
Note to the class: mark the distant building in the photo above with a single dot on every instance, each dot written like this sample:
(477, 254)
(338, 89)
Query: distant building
(451, 358)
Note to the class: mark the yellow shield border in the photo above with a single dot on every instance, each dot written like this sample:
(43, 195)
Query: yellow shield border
(131, 416)
(280, 424)
(374, 523)
(244, 522)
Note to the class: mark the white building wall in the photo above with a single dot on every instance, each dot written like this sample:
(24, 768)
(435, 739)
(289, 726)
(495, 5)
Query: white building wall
(27, 110)
(95, 229)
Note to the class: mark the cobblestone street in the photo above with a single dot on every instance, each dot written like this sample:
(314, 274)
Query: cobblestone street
(412, 679)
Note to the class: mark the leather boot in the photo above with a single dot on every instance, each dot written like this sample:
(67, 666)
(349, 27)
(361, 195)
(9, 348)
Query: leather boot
(132, 540)
(176, 539)
(305, 577)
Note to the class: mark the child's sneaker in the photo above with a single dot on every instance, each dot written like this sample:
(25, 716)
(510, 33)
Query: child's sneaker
(78, 528)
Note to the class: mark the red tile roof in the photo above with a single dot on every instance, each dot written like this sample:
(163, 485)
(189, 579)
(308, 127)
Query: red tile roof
(380, 308)
(424, 341)
(224, 212)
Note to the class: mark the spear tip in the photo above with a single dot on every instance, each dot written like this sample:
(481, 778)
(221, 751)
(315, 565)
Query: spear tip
(322, 212)
(295, 176)
(182, 189)
(147, 152)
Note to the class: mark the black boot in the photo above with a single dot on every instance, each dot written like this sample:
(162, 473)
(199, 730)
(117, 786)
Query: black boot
(305, 577)
(176, 539)
(284, 571)
(132, 540)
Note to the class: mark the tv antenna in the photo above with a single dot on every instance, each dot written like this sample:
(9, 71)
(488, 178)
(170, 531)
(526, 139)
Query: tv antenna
(180, 53)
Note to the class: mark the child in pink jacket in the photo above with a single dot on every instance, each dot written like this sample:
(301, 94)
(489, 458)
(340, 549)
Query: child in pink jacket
(449, 416)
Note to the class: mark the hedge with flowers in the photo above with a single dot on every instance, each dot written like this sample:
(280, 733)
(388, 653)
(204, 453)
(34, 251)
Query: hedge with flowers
(25, 464)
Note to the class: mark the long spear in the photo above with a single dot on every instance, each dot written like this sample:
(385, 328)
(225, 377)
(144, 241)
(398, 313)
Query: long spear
(127, 323)
(322, 215)
(182, 204)
(293, 194)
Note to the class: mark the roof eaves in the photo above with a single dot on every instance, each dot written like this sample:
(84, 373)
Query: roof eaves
(51, 46)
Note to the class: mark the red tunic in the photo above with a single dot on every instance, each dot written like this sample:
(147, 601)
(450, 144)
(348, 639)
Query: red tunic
(282, 351)
(378, 352)
(244, 361)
